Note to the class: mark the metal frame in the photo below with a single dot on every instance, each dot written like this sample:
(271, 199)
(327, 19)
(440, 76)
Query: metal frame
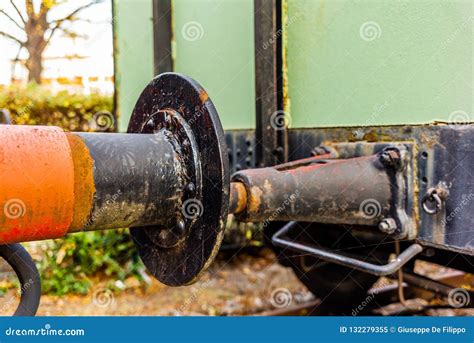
(162, 36)
(438, 146)
(379, 270)
(271, 142)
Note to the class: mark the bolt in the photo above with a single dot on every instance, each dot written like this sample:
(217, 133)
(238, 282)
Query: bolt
(180, 227)
(388, 226)
(320, 150)
(190, 188)
(391, 157)
(150, 124)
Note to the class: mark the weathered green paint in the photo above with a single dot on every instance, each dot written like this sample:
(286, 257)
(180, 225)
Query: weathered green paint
(214, 44)
(220, 57)
(133, 28)
(417, 69)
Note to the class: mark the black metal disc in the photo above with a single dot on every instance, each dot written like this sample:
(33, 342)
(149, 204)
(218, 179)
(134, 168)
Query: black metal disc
(181, 105)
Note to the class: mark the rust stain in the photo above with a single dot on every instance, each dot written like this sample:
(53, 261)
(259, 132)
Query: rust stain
(238, 197)
(203, 96)
(84, 187)
(254, 201)
(37, 189)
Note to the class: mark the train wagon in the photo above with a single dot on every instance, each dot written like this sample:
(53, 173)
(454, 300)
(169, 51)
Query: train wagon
(343, 128)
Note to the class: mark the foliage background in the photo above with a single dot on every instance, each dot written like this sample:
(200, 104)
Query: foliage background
(34, 105)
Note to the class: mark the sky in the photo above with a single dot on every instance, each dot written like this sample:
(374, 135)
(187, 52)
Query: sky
(97, 28)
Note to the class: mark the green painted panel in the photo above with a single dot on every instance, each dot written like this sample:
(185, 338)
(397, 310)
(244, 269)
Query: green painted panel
(379, 62)
(214, 44)
(133, 28)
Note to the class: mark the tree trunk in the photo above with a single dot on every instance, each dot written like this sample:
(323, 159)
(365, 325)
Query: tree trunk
(35, 29)
(34, 64)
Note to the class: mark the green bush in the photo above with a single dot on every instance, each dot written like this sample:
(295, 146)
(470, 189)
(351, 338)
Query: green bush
(68, 264)
(35, 105)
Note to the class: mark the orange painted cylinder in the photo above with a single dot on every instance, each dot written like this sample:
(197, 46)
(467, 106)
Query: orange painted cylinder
(54, 182)
(36, 183)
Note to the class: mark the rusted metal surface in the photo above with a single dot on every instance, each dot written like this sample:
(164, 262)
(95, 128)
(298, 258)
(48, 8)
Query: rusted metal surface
(342, 259)
(424, 283)
(370, 190)
(238, 198)
(442, 154)
(180, 108)
(167, 179)
(55, 182)
(326, 191)
(271, 127)
(36, 183)
(138, 180)
(84, 186)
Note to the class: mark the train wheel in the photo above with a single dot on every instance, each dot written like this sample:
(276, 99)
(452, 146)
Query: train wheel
(339, 288)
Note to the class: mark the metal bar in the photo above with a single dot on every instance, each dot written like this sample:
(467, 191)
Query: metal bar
(238, 198)
(271, 132)
(28, 276)
(351, 191)
(422, 282)
(6, 117)
(136, 179)
(55, 182)
(162, 36)
(374, 269)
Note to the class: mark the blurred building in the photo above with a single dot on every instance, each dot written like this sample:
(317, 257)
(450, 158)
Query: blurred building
(74, 73)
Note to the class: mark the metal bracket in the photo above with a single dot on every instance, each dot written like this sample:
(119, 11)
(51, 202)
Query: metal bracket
(380, 270)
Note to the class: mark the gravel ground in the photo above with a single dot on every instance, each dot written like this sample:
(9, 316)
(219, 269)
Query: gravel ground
(242, 286)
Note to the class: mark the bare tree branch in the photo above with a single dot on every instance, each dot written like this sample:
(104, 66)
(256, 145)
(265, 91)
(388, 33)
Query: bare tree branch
(18, 11)
(59, 22)
(12, 38)
(12, 20)
(30, 10)
(77, 10)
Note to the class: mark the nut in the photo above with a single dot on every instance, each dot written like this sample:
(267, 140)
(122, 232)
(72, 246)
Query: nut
(388, 226)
